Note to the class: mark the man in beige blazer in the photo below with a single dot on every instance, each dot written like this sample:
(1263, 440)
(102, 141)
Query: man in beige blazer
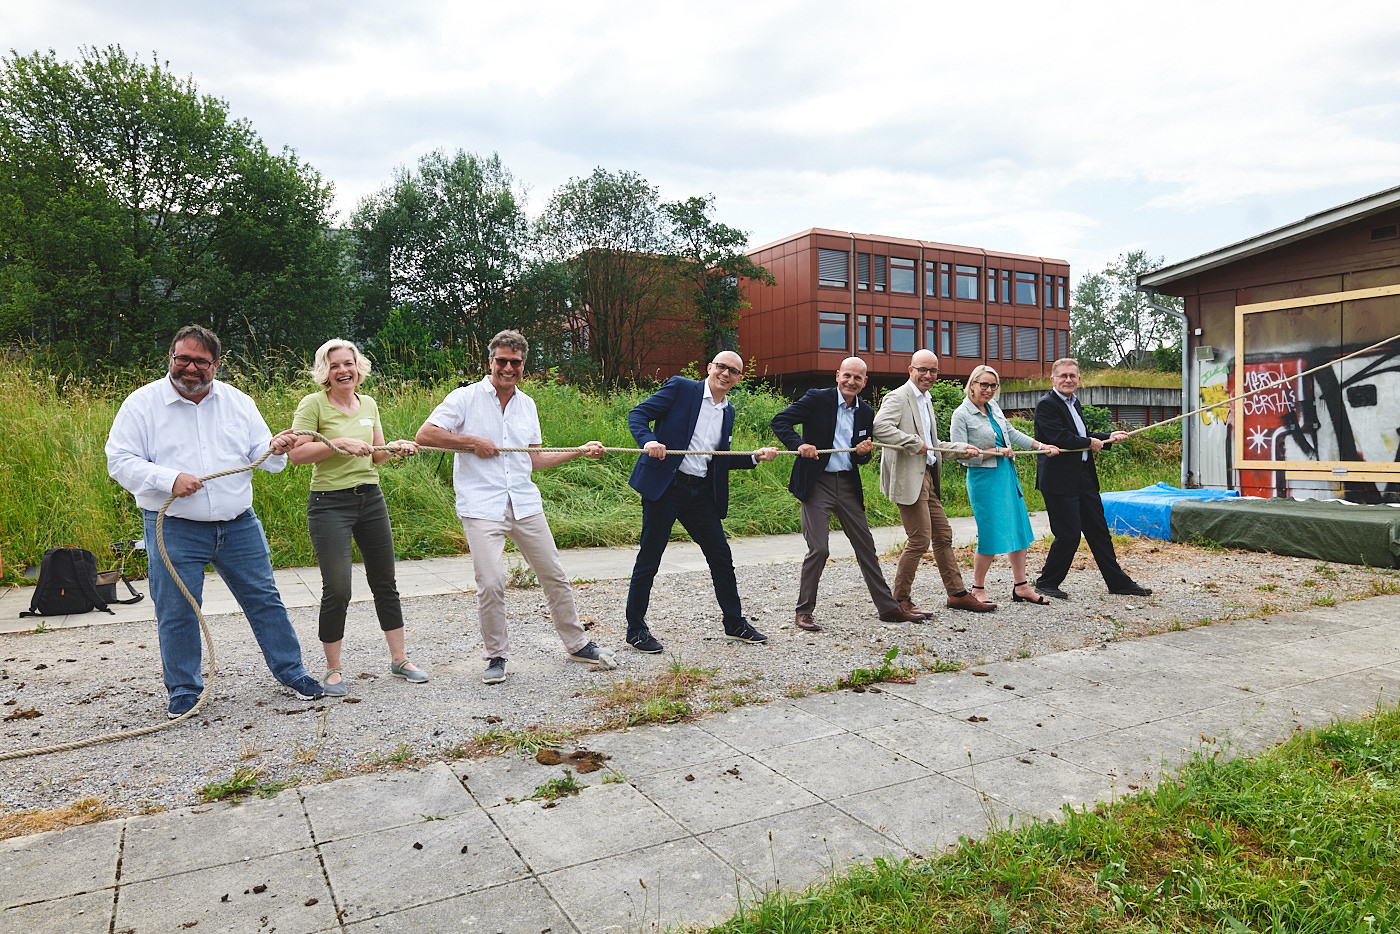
(909, 477)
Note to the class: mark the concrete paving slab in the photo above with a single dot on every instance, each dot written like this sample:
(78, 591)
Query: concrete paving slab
(942, 743)
(1033, 721)
(286, 892)
(59, 862)
(1250, 673)
(1036, 784)
(519, 906)
(600, 821)
(719, 793)
(419, 863)
(1138, 756)
(377, 802)
(649, 750)
(195, 838)
(684, 882)
(950, 692)
(840, 765)
(1112, 659)
(1026, 680)
(73, 914)
(863, 710)
(763, 727)
(795, 849)
(924, 816)
(492, 780)
(1349, 695)
(1236, 729)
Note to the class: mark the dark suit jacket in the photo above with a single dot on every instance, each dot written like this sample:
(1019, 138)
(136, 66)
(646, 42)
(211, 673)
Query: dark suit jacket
(669, 416)
(1053, 425)
(816, 413)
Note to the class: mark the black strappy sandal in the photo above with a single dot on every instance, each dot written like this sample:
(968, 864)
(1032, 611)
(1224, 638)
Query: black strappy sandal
(1017, 598)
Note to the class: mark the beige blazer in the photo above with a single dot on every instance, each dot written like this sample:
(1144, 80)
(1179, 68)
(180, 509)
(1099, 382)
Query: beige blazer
(899, 423)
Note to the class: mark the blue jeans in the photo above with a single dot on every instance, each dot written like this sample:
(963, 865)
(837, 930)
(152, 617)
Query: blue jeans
(333, 517)
(238, 550)
(693, 505)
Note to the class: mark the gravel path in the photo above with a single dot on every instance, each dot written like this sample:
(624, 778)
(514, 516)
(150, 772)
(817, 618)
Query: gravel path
(60, 686)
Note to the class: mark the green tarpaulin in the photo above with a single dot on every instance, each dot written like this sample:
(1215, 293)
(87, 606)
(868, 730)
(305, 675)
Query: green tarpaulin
(1335, 532)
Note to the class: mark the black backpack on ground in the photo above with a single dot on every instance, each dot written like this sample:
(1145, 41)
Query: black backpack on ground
(68, 584)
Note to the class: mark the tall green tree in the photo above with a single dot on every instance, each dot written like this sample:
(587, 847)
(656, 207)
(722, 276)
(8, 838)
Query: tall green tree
(609, 231)
(447, 241)
(133, 204)
(1112, 323)
(709, 257)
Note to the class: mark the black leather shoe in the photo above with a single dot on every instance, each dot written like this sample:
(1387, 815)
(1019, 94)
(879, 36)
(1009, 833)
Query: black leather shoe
(1055, 592)
(646, 642)
(1133, 591)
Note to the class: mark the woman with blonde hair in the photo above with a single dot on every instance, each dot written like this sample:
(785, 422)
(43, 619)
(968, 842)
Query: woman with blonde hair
(993, 488)
(346, 503)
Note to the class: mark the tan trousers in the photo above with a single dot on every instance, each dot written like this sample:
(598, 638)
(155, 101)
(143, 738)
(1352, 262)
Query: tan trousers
(487, 540)
(927, 527)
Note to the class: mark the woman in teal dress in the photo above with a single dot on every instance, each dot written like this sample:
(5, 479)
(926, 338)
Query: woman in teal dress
(1003, 525)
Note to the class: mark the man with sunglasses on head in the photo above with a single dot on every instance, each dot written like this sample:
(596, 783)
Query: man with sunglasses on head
(497, 499)
(909, 476)
(166, 436)
(688, 415)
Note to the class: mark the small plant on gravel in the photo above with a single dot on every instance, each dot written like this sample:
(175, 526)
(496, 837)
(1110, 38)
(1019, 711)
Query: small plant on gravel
(246, 780)
(1383, 585)
(614, 777)
(888, 671)
(557, 788)
(307, 753)
(41, 627)
(524, 742)
(1200, 541)
(664, 698)
(1309, 582)
(403, 753)
(1268, 587)
(1325, 570)
(522, 577)
(945, 664)
(1325, 600)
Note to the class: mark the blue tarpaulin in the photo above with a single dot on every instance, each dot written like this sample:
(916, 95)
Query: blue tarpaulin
(1148, 512)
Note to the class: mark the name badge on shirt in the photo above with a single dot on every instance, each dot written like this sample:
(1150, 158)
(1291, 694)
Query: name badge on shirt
(366, 421)
(861, 433)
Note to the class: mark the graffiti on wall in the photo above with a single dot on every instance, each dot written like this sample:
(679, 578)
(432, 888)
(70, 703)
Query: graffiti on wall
(1349, 412)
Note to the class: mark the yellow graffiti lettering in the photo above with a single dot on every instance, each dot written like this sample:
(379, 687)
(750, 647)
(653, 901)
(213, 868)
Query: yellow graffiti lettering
(1209, 396)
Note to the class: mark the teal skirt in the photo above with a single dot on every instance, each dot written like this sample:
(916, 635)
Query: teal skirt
(999, 508)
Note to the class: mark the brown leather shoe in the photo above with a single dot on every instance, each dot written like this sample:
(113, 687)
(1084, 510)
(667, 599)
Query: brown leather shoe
(913, 609)
(807, 623)
(968, 602)
(901, 615)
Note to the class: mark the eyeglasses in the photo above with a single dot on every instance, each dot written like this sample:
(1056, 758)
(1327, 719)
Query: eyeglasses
(1065, 376)
(199, 363)
(509, 361)
(985, 385)
(925, 370)
(731, 370)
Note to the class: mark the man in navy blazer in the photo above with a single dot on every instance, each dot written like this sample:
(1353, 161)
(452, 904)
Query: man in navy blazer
(1070, 486)
(825, 483)
(686, 415)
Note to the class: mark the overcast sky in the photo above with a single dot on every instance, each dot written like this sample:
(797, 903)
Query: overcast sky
(1074, 130)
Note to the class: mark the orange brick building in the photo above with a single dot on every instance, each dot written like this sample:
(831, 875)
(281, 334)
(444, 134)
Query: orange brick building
(882, 298)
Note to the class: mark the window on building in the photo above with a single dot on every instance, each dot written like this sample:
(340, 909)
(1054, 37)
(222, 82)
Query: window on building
(1006, 287)
(1049, 344)
(991, 284)
(870, 333)
(992, 342)
(1064, 345)
(969, 339)
(863, 271)
(904, 333)
(1008, 349)
(945, 338)
(931, 280)
(832, 331)
(833, 268)
(931, 336)
(879, 270)
(1049, 292)
(901, 275)
(1027, 343)
(862, 333)
(967, 282)
(1061, 293)
(1025, 291)
(945, 280)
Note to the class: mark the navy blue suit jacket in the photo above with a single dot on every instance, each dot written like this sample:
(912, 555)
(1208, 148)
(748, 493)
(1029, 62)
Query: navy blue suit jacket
(669, 416)
(1063, 474)
(816, 413)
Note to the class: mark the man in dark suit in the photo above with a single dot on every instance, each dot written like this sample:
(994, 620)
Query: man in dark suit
(1070, 485)
(825, 483)
(686, 415)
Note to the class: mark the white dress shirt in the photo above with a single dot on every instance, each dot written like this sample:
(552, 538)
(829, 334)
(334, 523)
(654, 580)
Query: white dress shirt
(708, 426)
(158, 434)
(484, 485)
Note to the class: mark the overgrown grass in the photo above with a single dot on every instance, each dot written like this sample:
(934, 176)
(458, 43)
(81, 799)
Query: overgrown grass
(1300, 839)
(54, 488)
